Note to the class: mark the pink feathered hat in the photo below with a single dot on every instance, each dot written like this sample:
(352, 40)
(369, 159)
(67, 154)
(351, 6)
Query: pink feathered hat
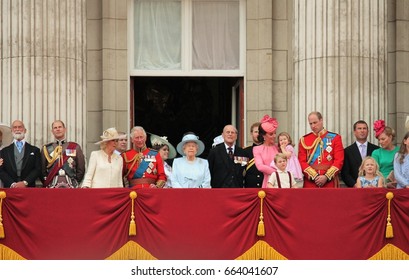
(269, 124)
(378, 127)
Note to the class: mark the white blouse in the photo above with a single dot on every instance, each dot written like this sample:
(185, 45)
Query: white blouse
(104, 174)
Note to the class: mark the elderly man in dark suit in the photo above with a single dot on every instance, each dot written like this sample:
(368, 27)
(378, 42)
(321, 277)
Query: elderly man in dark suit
(354, 153)
(227, 161)
(21, 161)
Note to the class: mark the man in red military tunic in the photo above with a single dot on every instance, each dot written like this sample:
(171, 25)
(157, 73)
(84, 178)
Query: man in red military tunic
(321, 155)
(143, 167)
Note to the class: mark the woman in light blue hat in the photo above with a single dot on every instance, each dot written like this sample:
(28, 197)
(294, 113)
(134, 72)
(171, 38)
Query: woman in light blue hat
(190, 171)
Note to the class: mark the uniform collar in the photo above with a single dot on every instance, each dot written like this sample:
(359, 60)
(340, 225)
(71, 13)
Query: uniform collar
(60, 142)
(322, 132)
(141, 149)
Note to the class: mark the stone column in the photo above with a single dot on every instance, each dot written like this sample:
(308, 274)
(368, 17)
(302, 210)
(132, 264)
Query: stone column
(340, 53)
(43, 66)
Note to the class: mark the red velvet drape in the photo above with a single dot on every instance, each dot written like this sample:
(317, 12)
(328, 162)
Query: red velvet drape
(203, 223)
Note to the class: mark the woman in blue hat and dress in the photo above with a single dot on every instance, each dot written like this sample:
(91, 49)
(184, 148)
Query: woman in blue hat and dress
(190, 171)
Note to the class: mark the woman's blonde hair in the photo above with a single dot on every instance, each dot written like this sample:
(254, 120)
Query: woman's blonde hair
(361, 171)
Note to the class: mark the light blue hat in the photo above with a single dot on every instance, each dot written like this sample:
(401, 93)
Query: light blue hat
(191, 137)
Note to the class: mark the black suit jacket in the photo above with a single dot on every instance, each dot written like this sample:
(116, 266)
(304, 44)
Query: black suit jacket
(31, 168)
(352, 161)
(224, 172)
(252, 178)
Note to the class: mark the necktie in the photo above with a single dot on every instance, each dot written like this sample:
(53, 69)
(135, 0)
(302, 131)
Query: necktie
(230, 152)
(19, 145)
(362, 150)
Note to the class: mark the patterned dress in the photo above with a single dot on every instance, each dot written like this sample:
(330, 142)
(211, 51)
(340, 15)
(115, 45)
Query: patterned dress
(365, 183)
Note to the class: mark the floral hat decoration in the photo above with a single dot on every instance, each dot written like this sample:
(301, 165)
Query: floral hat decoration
(269, 124)
(378, 127)
(110, 134)
(159, 141)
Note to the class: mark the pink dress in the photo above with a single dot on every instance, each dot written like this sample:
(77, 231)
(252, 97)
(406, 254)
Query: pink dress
(293, 165)
(263, 156)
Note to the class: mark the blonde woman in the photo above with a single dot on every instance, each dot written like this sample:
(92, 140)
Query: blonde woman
(401, 164)
(105, 166)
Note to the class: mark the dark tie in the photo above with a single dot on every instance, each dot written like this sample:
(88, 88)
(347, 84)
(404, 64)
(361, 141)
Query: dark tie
(230, 152)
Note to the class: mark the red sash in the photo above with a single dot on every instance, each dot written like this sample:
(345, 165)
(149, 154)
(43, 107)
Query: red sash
(56, 167)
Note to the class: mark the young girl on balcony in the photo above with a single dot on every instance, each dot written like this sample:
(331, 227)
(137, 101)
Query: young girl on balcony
(369, 175)
(286, 147)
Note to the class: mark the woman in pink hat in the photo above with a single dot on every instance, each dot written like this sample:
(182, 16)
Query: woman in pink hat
(264, 154)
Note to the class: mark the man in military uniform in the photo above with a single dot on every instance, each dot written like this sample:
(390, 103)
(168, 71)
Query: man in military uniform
(63, 162)
(143, 167)
(321, 155)
(253, 178)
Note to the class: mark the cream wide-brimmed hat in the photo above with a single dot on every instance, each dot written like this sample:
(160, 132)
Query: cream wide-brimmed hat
(191, 137)
(7, 135)
(110, 134)
(157, 140)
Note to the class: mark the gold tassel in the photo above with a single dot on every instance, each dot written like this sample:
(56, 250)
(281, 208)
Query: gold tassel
(132, 225)
(389, 229)
(2, 196)
(260, 229)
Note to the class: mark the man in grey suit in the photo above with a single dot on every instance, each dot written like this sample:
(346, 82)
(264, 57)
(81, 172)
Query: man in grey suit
(21, 161)
(354, 153)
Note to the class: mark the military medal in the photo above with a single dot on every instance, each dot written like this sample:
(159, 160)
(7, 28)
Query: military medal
(329, 143)
(329, 157)
(71, 152)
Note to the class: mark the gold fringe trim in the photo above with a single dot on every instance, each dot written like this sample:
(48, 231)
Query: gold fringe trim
(131, 251)
(8, 254)
(389, 229)
(390, 252)
(2, 196)
(260, 228)
(132, 225)
(261, 251)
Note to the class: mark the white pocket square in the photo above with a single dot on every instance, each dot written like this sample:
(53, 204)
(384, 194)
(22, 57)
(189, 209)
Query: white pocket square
(31, 154)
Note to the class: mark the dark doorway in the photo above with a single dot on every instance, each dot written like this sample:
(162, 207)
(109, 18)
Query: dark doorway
(171, 106)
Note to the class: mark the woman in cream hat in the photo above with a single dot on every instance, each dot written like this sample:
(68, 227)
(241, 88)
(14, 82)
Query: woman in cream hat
(166, 151)
(6, 137)
(190, 171)
(105, 166)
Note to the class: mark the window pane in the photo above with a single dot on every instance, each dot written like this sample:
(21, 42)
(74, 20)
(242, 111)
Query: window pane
(157, 35)
(215, 33)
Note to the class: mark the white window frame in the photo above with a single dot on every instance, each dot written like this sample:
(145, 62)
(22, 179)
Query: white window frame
(186, 48)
